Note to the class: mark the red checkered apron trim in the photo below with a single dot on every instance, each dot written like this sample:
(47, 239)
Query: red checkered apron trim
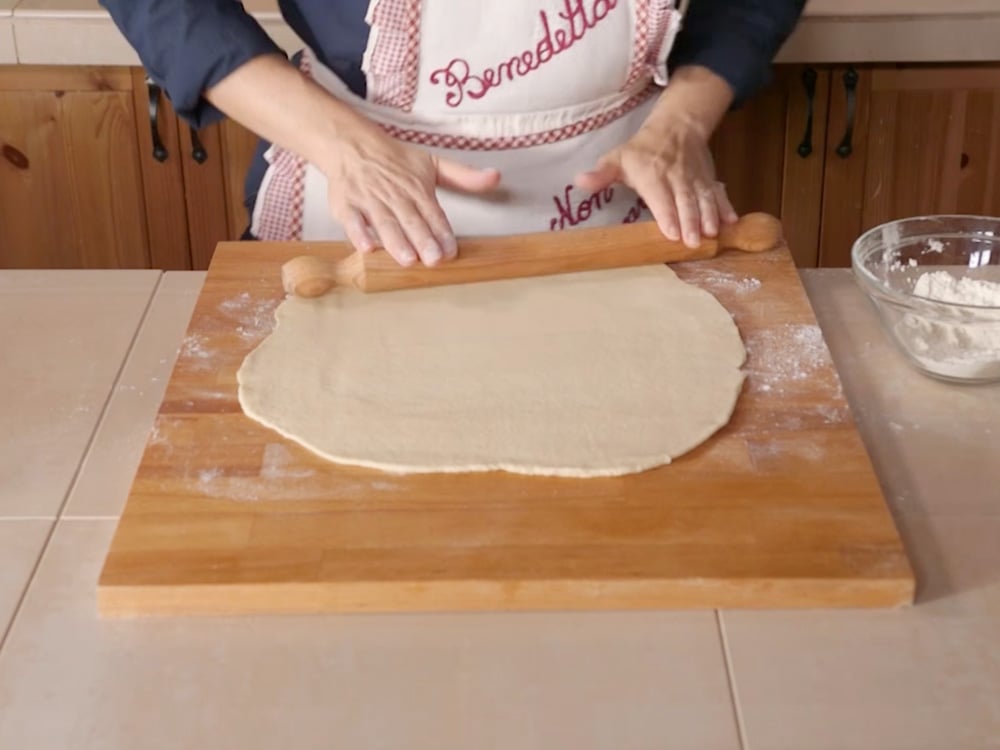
(640, 45)
(283, 200)
(652, 22)
(394, 64)
(283, 204)
(663, 16)
(545, 137)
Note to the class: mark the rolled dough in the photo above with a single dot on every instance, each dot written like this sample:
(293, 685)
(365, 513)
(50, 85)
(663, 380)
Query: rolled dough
(587, 374)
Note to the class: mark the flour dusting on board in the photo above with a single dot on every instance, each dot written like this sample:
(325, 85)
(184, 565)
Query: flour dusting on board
(782, 356)
(279, 479)
(717, 281)
(216, 484)
(195, 350)
(254, 318)
(276, 464)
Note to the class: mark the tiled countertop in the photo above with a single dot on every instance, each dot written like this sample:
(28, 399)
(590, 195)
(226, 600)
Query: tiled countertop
(79, 32)
(86, 359)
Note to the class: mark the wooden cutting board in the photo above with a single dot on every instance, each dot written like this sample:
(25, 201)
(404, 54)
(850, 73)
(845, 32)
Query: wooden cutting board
(780, 509)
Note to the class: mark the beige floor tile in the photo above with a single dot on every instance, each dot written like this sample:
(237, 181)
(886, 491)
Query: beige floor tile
(910, 421)
(623, 681)
(925, 678)
(20, 545)
(107, 470)
(64, 338)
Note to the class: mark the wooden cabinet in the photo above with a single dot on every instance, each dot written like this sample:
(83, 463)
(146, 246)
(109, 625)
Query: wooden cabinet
(885, 142)
(926, 140)
(238, 146)
(71, 192)
(770, 155)
(97, 171)
(185, 173)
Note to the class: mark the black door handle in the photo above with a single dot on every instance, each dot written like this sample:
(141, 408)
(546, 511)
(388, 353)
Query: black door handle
(153, 92)
(198, 152)
(809, 84)
(846, 147)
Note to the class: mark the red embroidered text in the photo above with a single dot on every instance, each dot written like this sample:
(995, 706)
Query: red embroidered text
(571, 214)
(578, 17)
(635, 213)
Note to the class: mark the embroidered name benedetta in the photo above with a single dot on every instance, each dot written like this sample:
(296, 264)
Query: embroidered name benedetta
(577, 18)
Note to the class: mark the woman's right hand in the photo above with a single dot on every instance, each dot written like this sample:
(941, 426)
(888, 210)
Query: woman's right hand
(383, 193)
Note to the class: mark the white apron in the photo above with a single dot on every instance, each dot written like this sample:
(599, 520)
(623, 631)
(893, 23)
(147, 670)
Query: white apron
(537, 89)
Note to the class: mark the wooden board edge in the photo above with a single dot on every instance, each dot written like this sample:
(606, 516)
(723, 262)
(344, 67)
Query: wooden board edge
(371, 597)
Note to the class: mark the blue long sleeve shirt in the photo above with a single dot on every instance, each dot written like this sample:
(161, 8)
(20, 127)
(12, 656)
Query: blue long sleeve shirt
(187, 46)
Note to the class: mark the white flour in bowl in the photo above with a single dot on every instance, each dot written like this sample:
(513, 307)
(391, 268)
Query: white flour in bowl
(967, 351)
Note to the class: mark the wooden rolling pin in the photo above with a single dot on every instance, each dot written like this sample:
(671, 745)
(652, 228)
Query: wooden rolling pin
(541, 254)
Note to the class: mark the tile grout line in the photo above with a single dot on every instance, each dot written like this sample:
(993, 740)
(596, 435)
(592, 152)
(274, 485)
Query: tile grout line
(5, 633)
(731, 680)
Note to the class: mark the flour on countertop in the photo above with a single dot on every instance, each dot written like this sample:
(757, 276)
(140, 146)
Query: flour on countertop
(959, 348)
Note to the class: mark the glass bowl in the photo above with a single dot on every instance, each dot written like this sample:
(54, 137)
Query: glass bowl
(935, 281)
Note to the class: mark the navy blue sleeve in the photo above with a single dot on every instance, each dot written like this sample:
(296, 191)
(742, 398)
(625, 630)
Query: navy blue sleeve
(187, 46)
(736, 39)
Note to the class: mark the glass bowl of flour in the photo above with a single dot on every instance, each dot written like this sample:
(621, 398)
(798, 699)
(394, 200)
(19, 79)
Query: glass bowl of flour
(935, 281)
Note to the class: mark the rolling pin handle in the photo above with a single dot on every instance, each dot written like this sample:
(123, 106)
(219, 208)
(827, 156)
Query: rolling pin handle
(307, 276)
(753, 233)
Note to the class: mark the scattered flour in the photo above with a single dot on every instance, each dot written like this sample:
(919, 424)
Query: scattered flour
(955, 343)
(195, 350)
(275, 464)
(784, 355)
(205, 476)
(254, 317)
(719, 281)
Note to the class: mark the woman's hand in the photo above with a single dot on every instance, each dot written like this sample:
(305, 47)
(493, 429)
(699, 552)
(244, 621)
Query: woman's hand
(668, 162)
(382, 192)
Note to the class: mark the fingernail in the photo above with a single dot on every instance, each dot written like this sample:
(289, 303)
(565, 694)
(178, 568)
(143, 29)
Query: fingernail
(407, 257)
(710, 229)
(449, 245)
(431, 254)
(691, 239)
(673, 234)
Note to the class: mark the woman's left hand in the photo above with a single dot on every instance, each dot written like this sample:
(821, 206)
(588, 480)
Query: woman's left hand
(668, 162)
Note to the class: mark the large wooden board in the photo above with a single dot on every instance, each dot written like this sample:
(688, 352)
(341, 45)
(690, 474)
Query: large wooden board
(780, 509)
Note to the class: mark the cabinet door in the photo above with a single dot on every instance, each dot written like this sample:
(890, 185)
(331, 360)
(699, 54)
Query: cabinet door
(845, 164)
(927, 141)
(162, 176)
(804, 155)
(769, 152)
(748, 148)
(71, 193)
(204, 191)
(238, 147)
